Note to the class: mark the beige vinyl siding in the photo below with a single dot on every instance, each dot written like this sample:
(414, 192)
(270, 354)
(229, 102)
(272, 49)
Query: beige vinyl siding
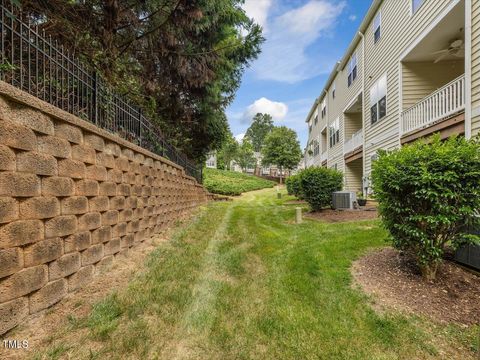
(314, 135)
(476, 66)
(353, 175)
(352, 123)
(344, 96)
(399, 30)
(420, 79)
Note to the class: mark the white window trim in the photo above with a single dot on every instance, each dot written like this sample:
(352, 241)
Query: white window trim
(379, 26)
(350, 68)
(378, 100)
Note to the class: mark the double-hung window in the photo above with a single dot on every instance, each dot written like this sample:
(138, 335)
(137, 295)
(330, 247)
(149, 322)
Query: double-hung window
(352, 69)
(334, 89)
(316, 148)
(377, 27)
(334, 132)
(316, 119)
(416, 5)
(324, 108)
(378, 99)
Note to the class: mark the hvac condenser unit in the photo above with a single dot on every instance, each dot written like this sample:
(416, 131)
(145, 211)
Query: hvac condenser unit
(343, 199)
(469, 254)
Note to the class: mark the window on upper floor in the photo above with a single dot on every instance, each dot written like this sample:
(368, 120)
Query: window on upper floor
(334, 89)
(324, 108)
(377, 25)
(378, 100)
(316, 119)
(334, 132)
(316, 148)
(309, 128)
(352, 69)
(416, 5)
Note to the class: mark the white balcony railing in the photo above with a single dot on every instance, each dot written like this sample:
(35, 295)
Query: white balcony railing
(354, 142)
(443, 103)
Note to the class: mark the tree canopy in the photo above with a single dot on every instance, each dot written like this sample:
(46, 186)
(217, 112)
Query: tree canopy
(181, 60)
(282, 148)
(245, 156)
(261, 125)
(227, 152)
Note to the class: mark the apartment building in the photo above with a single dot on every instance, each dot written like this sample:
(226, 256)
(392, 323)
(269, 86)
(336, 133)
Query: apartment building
(412, 69)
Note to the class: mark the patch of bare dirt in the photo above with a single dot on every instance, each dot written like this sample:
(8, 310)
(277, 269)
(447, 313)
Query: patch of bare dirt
(395, 282)
(333, 216)
(40, 329)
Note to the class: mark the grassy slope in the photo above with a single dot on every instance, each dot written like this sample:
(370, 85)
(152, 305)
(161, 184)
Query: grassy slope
(243, 282)
(232, 183)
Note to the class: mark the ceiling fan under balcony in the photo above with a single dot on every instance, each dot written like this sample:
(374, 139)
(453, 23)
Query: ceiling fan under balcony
(456, 48)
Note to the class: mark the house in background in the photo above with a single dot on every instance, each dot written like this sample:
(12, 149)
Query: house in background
(412, 69)
(211, 160)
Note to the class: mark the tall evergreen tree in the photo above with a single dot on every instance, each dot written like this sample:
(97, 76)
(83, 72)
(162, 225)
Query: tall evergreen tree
(182, 60)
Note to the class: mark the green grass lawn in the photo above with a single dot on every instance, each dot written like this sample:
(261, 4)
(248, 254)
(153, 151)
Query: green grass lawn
(226, 182)
(242, 281)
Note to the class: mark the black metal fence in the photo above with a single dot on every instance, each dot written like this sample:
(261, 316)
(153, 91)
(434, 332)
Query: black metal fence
(33, 62)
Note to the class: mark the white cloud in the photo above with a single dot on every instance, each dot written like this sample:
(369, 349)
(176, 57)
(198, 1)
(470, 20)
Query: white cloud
(258, 11)
(239, 137)
(284, 56)
(352, 17)
(277, 110)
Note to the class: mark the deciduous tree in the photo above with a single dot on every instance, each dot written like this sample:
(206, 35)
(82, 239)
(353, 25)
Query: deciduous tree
(281, 148)
(245, 157)
(261, 125)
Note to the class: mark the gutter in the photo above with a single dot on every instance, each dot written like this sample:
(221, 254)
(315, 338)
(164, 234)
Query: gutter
(353, 44)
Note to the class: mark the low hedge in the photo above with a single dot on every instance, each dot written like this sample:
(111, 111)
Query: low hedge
(318, 184)
(225, 182)
(294, 186)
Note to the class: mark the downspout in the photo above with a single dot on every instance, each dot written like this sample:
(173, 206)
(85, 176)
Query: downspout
(324, 92)
(363, 110)
(468, 69)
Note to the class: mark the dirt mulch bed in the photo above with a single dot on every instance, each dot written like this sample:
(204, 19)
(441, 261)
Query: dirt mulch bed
(395, 282)
(333, 216)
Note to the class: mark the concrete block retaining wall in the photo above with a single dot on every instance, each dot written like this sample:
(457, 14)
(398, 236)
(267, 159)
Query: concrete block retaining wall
(73, 197)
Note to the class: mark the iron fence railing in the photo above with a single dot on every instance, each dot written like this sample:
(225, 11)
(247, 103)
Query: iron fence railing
(33, 62)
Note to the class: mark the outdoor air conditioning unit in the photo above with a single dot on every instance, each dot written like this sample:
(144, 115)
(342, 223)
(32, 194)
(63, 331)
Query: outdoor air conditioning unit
(469, 254)
(344, 199)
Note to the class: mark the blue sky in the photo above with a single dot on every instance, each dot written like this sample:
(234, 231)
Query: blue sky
(304, 39)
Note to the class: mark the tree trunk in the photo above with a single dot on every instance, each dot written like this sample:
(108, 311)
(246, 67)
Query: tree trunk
(429, 271)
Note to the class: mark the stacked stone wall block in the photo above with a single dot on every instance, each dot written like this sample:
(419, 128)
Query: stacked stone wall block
(72, 200)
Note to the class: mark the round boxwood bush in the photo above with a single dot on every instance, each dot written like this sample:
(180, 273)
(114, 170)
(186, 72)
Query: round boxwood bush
(318, 184)
(429, 194)
(294, 187)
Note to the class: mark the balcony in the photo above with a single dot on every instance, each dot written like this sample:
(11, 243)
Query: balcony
(442, 104)
(354, 143)
(323, 157)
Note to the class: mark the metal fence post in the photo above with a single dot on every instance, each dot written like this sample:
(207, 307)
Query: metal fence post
(141, 125)
(95, 97)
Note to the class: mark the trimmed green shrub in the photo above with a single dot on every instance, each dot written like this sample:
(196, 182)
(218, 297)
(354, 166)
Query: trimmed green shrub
(428, 194)
(227, 182)
(294, 186)
(318, 184)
